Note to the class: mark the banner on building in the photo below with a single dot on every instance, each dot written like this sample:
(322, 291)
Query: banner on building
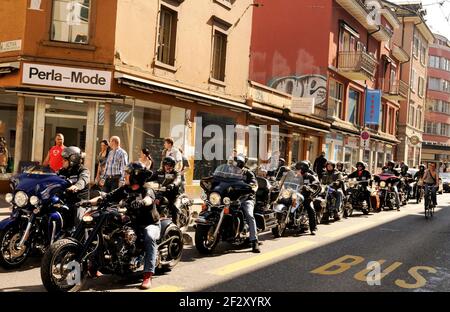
(373, 107)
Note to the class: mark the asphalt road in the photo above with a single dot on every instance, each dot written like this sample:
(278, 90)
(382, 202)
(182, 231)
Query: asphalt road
(411, 254)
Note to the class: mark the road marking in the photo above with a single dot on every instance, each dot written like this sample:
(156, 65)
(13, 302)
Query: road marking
(420, 280)
(251, 262)
(165, 288)
(340, 265)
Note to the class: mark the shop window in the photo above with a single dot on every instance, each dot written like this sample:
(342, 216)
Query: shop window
(70, 21)
(202, 166)
(167, 36)
(219, 55)
(380, 160)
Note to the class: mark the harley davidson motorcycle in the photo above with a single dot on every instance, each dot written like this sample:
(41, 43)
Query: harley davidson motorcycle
(356, 198)
(289, 208)
(36, 220)
(107, 239)
(222, 217)
(386, 182)
(329, 194)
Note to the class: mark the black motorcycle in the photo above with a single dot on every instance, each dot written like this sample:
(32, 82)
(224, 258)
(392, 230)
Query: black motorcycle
(107, 239)
(329, 194)
(222, 217)
(356, 197)
(289, 206)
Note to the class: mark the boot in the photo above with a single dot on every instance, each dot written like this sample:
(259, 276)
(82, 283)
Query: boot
(147, 280)
(255, 247)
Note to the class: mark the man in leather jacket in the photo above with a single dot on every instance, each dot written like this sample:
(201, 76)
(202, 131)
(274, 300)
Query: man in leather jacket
(169, 178)
(361, 174)
(140, 200)
(333, 178)
(390, 168)
(279, 171)
(307, 179)
(79, 176)
(407, 177)
(248, 205)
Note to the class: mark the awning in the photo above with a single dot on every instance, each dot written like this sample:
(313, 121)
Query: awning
(6, 68)
(189, 95)
(258, 116)
(294, 124)
(72, 93)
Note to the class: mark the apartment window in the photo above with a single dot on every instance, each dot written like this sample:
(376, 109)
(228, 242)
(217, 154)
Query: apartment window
(430, 127)
(433, 61)
(219, 55)
(167, 36)
(336, 97)
(348, 40)
(392, 118)
(412, 114)
(423, 54)
(384, 117)
(434, 84)
(444, 129)
(445, 86)
(421, 87)
(353, 104)
(70, 21)
(413, 80)
(419, 118)
(416, 45)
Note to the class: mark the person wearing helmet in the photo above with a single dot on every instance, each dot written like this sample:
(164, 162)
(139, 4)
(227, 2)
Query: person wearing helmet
(279, 171)
(334, 178)
(319, 164)
(302, 170)
(78, 175)
(390, 168)
(418, 177)
(139, 201)
(248, 205)
(406, 179)
(363, 175)
(169, 178)
(341, 168)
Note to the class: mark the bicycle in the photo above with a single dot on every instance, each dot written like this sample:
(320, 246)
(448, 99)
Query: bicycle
(429, 207)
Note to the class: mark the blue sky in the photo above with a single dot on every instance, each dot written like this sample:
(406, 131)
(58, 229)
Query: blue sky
(438, 15)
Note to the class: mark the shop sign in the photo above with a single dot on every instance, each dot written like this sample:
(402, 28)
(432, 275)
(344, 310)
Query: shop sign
(8, 46)
(352, 142)
(66, 77)
(304, 106)
(373, 107)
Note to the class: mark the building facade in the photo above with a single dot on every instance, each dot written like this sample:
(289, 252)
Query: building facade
(339, 56)
(93, 69)
(414, 37)
(436, 141)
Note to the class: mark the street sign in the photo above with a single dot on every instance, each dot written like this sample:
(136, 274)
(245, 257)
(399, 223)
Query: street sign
(365, 135)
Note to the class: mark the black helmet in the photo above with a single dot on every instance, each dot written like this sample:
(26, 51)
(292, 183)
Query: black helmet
(302, 166)
(404, 168)
(73, 155)
(240, 160)
(340, 164)
(169, 161)
(391, 163)
(332, 163)
(360, 163)
(138, 173)
(422, 167)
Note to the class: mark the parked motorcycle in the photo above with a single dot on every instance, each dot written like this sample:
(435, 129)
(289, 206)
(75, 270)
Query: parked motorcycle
(106, 240)
(36, 220)
(356, 197)
(329, 193)
(289, 208)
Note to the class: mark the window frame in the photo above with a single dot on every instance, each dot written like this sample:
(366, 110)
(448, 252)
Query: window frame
(91, 29)
(173, 40)
(357, 107)
(218, 29)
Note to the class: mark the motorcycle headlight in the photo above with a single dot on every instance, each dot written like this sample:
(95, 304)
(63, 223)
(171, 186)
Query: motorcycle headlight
(9, 198)
(382, 184)
(34, 200)
(214, 198)
(21, 199)
(286, 194)
(87, 218)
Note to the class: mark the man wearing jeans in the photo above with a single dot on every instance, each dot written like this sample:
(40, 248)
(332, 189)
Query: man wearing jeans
(113, 176)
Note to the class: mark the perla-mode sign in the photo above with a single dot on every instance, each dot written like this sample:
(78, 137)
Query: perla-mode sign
(66, 77)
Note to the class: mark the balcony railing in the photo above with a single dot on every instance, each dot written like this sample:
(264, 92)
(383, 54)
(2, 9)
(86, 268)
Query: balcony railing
(357, 65)
(397, 90)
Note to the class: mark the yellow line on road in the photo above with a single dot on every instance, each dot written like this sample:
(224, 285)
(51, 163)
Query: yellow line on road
(266, 256)
(165, 288)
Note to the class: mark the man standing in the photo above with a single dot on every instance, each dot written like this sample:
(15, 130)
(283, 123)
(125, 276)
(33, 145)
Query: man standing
(319, 165)
(113, 176)
(171, 151)
(54, 158)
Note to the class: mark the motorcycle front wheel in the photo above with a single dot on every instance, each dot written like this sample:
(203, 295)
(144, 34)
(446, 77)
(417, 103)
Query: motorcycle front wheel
(10, 255)
(279, 230)
(205, 242)
(60, 272)
(172, 249)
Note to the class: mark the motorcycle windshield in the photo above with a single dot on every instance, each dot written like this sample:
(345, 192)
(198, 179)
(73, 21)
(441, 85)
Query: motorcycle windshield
(228, 172)
(38, 179)
(293, 181)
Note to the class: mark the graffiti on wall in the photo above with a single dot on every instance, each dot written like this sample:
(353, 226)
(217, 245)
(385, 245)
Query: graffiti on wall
(305, 86)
